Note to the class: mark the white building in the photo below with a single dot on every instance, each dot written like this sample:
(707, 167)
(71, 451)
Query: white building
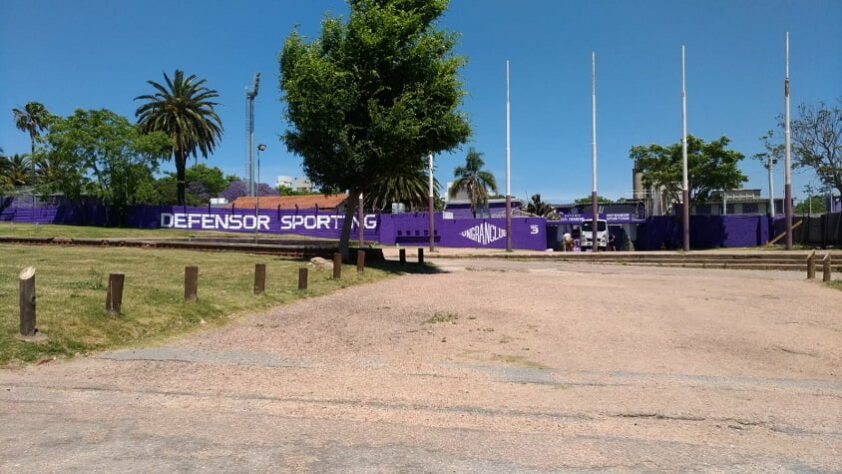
(284, 181)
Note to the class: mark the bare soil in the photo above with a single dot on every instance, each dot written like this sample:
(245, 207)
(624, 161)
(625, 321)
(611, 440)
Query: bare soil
(490, 366)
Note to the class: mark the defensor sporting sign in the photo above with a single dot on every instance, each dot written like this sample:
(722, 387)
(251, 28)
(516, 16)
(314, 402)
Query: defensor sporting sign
(201, 221)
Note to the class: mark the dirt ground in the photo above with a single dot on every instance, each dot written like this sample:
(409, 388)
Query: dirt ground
(488, 366)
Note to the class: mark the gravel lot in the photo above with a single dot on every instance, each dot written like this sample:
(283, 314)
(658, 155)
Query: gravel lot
(488, 366)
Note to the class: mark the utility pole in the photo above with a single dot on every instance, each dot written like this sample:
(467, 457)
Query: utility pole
(594, 197)
(431, 207)
(250, 95)
(361, 221)
(508, 167)
(685, 185)
(770, 165)
(788, 163)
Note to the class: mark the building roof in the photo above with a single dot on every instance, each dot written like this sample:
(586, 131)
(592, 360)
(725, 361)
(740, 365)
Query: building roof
(308, 201)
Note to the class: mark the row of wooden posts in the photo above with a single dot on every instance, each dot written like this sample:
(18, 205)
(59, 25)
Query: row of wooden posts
(116, 282)
(811, 267)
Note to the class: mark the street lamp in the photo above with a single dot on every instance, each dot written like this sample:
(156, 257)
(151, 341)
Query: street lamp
(260, 148)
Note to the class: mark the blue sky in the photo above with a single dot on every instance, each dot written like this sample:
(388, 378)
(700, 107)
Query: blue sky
(98, 54)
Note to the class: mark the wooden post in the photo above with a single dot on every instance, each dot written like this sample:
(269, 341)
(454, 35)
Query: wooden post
(27, 302)
(259, 278)
(402, 253)
(114, 297)
(337, 266)
(360, 261)
(811, 265)
(826, 268)
(191, 282)
(421, 256)
(302, 278)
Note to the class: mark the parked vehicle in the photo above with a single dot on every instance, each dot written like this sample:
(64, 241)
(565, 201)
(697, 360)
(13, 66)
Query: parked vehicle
(586, 234)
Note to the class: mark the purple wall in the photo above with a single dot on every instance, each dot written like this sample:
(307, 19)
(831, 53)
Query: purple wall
(705, 232)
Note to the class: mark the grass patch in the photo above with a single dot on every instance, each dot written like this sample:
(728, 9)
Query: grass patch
(71, 286)
(835, 284)
(519, 361)
(442, 318)
(12, 229)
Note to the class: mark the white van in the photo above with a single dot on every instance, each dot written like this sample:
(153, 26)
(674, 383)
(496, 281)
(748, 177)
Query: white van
(586, 234)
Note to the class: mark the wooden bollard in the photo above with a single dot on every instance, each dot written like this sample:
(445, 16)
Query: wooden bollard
(360, 261)
(259, 278)
(191, 282)
(337, 266)
(114, 297)
(826, 268)
(302, 278)
(27, 302)
(421, 256)
(402, 254)
(811, 265)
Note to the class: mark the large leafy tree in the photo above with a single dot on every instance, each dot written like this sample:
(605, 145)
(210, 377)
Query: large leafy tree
(100, 153)
(184, 110)
(474, 180)
(817, 141)
(372, 96)
(711, 166)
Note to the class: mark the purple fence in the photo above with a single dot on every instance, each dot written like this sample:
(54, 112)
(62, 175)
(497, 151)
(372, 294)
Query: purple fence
(665, 232)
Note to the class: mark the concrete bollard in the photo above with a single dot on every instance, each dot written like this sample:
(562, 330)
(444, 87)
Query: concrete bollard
(191, 283)
(360, 261)
(302, 278)
(27, 302)
(337, 266)
(826, 268)
(811, 265)
(114, 297)
(259, 278)
(402, 253)
(421, 256)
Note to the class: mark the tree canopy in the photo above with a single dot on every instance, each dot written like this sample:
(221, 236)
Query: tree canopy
(100, 153)
(373, 95)
(817, 141)
(711, 166)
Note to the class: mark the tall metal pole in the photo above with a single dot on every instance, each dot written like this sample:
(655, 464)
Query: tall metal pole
(594, 198)
(788, 147)
(770, 164)
(431, 207)
(250, 95)
(685, 185)
(508, 167)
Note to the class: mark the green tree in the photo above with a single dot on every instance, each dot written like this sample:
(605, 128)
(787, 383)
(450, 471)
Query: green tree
(372, 96)
(817, 141)
(474, 180)
(711, 166)
(539, 208)
(183, 110)
(100, 153)
(411, 188)
(17, 169)
(33, 118)
(587, 200)
(811, 205)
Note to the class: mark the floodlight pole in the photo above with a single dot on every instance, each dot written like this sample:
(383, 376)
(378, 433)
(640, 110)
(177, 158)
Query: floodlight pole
(431, 207)
(508, 166)
(788, 148)
(685, 185)
(250, 95)
(594, 196)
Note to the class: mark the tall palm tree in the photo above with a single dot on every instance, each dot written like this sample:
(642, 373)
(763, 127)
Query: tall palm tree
(474, 180)
(33, 119)
(184, 111)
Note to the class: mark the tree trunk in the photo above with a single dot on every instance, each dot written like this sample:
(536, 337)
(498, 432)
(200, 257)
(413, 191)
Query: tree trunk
(180, 184)
(345, 236)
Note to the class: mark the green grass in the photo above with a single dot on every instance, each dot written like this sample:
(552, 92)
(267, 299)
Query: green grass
(90, 232)
(442, 318)
(71, 287)
(835, 284)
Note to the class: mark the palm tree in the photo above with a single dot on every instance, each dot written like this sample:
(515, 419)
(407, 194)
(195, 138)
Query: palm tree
(411, 188)
(474, 180)
(33, 119)
(17, 170)
(540, 208)
(183, 110)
